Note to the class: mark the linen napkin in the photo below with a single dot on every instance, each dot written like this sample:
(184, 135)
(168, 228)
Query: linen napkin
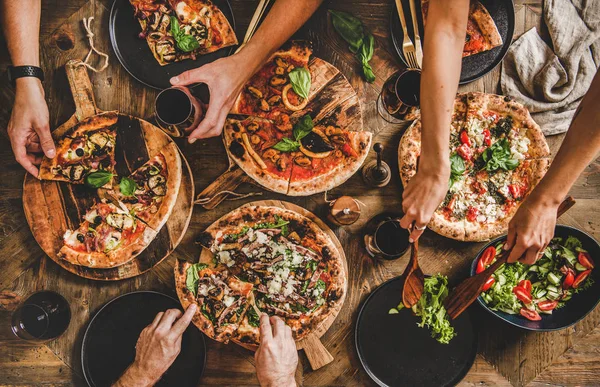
(551, 81)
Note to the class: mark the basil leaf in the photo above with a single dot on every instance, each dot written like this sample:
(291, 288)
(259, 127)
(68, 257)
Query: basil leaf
(287, 145)
(127, 186)
(366, 50)
(498, 156)
(98, 179)
(349, 28)
(303, 127)
(300, 80)
(184, 42)
(253, 318)
(192, 277)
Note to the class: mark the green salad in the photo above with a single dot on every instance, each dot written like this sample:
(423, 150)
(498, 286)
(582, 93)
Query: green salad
(431, 309)
(516, 288)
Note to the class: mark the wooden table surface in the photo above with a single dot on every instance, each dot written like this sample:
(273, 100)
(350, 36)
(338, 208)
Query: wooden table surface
(507, 355)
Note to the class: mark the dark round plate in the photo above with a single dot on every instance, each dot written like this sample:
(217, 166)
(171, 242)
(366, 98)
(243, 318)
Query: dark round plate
(575, 309)
(109, 341)
(135, 55)
(474, 66)
(396, 352)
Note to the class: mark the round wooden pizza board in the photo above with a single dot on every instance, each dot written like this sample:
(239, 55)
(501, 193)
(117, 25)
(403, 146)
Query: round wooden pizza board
(331, 95)
(315, 351)
(53, 207)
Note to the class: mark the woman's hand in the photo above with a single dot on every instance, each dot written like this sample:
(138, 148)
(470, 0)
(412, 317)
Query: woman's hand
(28, 128)
(424, 193)
(157, 347)
(276, 357)
(225, 78)
(531, 229)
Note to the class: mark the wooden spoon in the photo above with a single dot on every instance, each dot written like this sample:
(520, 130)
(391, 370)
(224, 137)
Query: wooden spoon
(468, 290)
(413, 278)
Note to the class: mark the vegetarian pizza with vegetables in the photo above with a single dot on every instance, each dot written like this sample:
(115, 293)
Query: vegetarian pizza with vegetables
(182, 29)
(278, 144)
(498, 154)
(129, 210)
(266, 260)
(515, 288)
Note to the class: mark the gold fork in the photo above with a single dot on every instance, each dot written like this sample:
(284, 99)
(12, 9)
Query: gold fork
(408, 48)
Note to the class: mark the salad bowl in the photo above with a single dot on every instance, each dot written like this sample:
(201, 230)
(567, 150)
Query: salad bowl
(581, 302)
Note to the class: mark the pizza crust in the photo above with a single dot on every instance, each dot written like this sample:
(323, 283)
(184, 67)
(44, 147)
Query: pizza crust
(487, 26)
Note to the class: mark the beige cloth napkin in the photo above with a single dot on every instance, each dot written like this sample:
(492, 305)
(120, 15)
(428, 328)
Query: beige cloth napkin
(551, 81)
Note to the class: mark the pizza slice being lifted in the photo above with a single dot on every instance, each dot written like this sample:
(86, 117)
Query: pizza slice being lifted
(87, 147)
(182, 29)
(482, 32)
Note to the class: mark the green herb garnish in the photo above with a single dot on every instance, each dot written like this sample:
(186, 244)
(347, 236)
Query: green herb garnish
(457, 169)
(301, 81)
(301, 128)
(98, 179)
(497, 157)
(253, 318)
(192, 277)
(431, 309)
(127, 186)
(361, 43)
(184, 42)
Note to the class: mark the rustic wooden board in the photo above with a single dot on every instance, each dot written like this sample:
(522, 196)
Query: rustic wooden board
(53, 207)
(317, 354)
(332, 99)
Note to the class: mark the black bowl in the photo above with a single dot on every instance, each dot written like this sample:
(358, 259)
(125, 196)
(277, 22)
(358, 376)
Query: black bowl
(575, 309)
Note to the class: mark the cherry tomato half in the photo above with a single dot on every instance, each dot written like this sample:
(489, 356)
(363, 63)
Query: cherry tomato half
(526, 284)
(581, 277)
(488, 255)
(464, 138)
(480, 266)
(569, 278)
(530, 314)
(465, 152)
(472, 213)
(487, 140)
(523, 295)
(489, 283)
(547, 305)
(585, 260)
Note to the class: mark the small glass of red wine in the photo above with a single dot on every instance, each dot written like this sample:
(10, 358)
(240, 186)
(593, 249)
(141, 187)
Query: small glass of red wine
(388, 241)
(176, 109)
(400, 96)
(42, 317)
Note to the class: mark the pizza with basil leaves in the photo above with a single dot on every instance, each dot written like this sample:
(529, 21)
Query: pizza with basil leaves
(266, 260)
(128, 216)
(182, 29)
(498, 154)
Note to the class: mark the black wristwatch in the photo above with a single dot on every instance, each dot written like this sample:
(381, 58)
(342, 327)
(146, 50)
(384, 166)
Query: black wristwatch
(15, 72)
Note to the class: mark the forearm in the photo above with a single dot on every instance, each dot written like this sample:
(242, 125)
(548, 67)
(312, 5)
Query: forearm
(284, 18)
(445, 31)
(21, 20)
(580, 146)
(134, 377)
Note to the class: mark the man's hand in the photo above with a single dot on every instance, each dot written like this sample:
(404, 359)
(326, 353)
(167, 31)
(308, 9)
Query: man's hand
(276, 357)
(28, 127)
(424, 193)
(157, 347)
(225, 78)
(531, 229)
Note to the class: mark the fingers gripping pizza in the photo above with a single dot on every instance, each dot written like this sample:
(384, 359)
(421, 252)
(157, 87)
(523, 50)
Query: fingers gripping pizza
(275, 258)
(498, 154)
(181, 29)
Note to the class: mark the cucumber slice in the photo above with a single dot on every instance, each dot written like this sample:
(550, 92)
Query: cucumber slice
(534, 268)
(554, 279)
(552, 295)
(580, 267)
(501, 279)
(393, 311)
(551, 288)
(541, 293)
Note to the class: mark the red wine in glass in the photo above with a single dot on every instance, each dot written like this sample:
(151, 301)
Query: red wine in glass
(400, 96)
(174, 109)
(43, 316)
(388, 241)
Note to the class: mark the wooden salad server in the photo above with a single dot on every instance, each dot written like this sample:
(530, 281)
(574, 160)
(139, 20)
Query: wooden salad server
(467, 291)
(413, 278)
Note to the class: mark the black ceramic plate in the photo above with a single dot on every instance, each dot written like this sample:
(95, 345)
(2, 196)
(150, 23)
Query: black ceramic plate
(396, 352)
(575, 309)
(135, 55)
(474, 66)
(110, 338)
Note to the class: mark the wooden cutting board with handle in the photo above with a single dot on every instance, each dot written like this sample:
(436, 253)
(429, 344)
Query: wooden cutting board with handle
(53, 207)
(315, 351)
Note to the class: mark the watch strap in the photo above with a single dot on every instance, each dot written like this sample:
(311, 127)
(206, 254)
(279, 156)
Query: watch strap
(15, 72)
